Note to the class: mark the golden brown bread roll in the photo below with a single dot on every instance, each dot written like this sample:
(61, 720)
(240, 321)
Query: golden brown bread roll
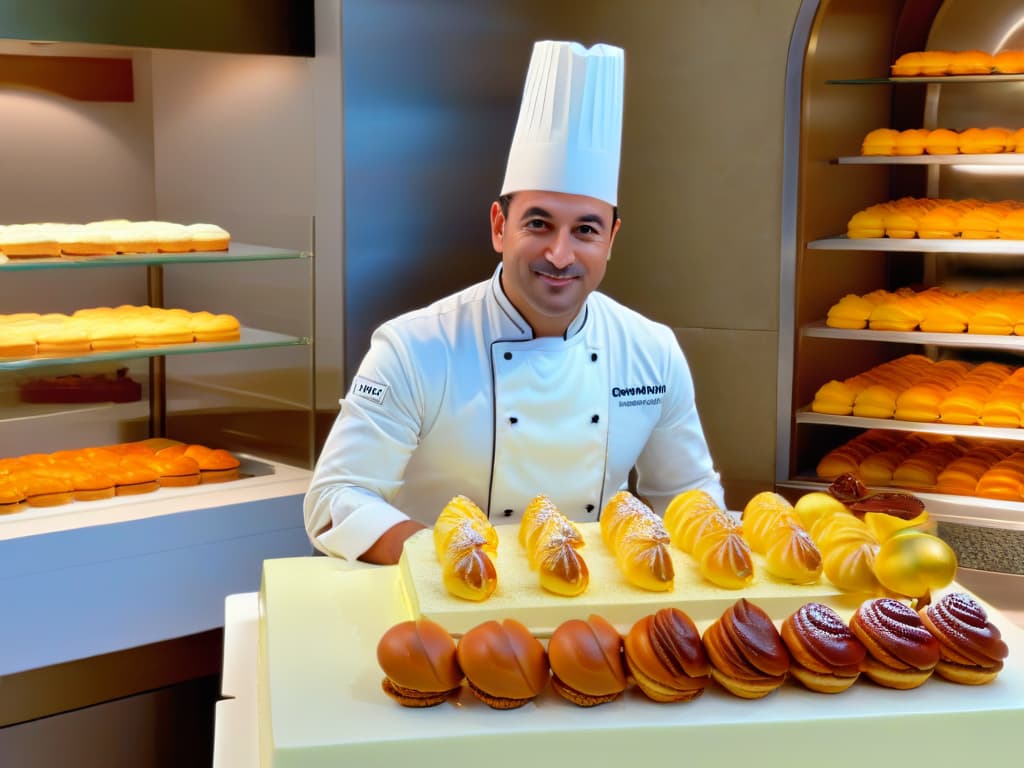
(505, 666)
(971, 648)
(587, 667)
(901, 652)
(419, 662)
(665, 656)
(747, 655)
(825, 656)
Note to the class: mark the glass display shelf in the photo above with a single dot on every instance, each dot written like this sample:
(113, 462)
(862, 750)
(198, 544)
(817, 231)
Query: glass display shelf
(925, 80)
(251, 338)
(1003, 158)
(820, 330)
(918, 245)
(806, 416)
(32, 411)
(235, 252)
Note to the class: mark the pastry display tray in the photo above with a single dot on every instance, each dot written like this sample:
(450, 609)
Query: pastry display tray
(320, 702)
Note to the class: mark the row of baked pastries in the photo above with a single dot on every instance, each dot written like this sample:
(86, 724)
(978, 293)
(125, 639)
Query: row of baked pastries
(109, 237)
(102, 472)
(926, 462)
(588, 662)
(914, 388)
(942, 141)
(939, 218)
(989, 311)
(106, 329)
(939, 63)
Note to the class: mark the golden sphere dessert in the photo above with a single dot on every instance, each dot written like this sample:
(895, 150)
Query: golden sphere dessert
(901, 652)
(587, 666)
(505, 666)
(665, 656)
(825, 656)
(912, 563)
(747, 655)
(971, 648)
(419, 661)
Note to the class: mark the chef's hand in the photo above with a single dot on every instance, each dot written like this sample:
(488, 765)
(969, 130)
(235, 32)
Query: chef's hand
(388, 548)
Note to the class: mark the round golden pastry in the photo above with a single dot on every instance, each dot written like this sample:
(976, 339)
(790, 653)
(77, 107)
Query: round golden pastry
(910, 142)
(587, 667)
(879, 142)
(561, 568)
(91, 485)
(46, 487)
(762, 515)
(942, 141)
(420, 664)
(536, 515)
(793, 556)
(728, 563)
(908, 64)
(208, 237)
(214, 327)
(643, 555)
(971, 63)
(467, 571)
(505, 666)
(563, 571)
(747, 655)
(12, 497)
(215, 464)
(936, 63)
(686, 506)
(825, 655)
(698, 532)
(134, 476)
(620, 509)
(665, 657)
(1009, 62)
(971, 648)
(176, 472)
(456, 512)
(901, 652)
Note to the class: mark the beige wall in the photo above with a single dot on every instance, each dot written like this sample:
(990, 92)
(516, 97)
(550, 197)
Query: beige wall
(703, 132)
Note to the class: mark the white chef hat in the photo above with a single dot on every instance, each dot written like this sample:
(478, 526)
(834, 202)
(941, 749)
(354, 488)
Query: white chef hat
(569, 134)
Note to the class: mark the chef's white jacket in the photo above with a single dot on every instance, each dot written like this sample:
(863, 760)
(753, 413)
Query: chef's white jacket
(460, 398)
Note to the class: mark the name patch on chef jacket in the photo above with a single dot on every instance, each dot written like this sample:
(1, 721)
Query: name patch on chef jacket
(369, 389)
(640, 394)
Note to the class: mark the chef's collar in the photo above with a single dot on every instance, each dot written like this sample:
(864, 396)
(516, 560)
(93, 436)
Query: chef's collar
(517, 322)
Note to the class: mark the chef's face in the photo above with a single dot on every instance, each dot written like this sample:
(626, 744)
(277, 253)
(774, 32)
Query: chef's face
(554, 249)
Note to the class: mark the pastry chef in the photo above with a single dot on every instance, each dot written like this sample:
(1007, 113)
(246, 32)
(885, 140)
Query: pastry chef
(531, 381)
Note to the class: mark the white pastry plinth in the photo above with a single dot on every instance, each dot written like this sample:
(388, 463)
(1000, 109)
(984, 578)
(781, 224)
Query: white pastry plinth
(519, 595)
(320, 703)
